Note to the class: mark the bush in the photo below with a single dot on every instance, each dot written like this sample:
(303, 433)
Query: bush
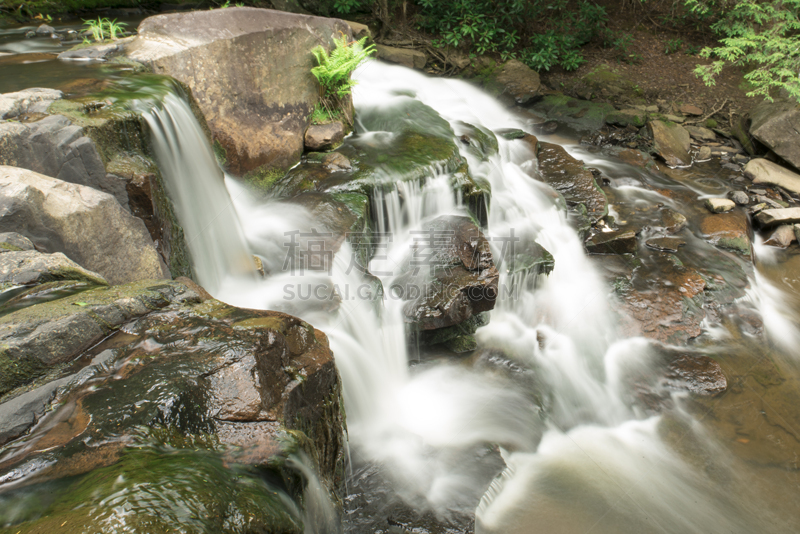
(334, 69)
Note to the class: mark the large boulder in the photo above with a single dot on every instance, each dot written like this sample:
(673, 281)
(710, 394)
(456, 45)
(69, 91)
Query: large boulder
(26, 267)
(518, 81)
(777, 125)
(413, 59)
(250, 71)
(55, 147)
(671, 141)
(765, 172)
(87, 225)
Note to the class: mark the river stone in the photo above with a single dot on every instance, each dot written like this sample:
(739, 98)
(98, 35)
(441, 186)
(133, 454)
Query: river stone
(31, 267)
(727, 230)
(672, 220)
(774, 217)
(44, 29)
(777, 125)
(689, 109)
(704, 153)
(612, 243)
(719, 205)
(580, 114)
(413, 59)
(782, 237)
(672, 142)
(740, 198)
(569, 177)
(55, 147)
(698, 374)
(518, 81)
(700, 133)
(624, 117)
(11, 241)
(35, 100)
(258, 105)
(321, 137)
(450, 275)
(665, 244)
(97, 51)
(87, 225)
(38, 337)
(765, 172)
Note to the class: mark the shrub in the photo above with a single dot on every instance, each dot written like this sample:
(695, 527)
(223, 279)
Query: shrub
(334, 69)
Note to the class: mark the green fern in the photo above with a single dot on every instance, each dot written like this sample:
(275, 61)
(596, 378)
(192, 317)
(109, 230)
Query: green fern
(334, 69)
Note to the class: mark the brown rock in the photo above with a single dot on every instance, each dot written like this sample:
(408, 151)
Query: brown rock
(320, 137)
(689, 109)
(727, 230)
(665, 244)
(782, 237)
(774, 217)
(519, 81)
(569, 177)
(257, 106)
(673, 221)
(413, 59)
(672, 142)
(698, 374)
(612, 243)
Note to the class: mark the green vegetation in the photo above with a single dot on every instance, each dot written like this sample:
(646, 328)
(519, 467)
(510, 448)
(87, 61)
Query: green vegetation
(103, 28)
(763, 36)
(334, 69)
(321, 115)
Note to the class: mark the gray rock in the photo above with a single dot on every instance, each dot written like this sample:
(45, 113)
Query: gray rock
(100, 51)
(519, 81)
(40, 336)
(740, 197)
(336, 161)
(612, 243)
(35, 100)
(413, 59)
(665, 244)
(700, 133)
(57, 148)
(796, 228)
(782, 237)
(87, 225)
(672, 142)
(675, 118)
(704, 153)
(673, 221)
(271, 74)
(44, 29)
(719, 205)
(777, 125)
(10, 241)
(775, 217)
(324, 136)
(22, 412)
(765, 172)
(21, 268)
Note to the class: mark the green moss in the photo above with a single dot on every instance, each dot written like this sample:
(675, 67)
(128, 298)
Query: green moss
(219, 152)
(263, 179)
(711, 123)
(10, 247)
(18, 372)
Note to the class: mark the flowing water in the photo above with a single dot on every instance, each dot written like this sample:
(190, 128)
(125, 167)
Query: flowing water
(537, 433)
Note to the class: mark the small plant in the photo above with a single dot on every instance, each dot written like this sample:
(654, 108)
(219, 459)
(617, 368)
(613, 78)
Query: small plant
(673, 45)
(692, 50)
(572, 59)
(334, 69)
(103, 27)
(320, 115)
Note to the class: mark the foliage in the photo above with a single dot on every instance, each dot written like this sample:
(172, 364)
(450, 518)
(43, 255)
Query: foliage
(345, 7)
(761, 35)
(504, 27)
(321, 115)
(103, 28)
(333, 70)
(673, 45)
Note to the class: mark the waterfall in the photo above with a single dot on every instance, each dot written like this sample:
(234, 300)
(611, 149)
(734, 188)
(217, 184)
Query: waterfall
(423, 424)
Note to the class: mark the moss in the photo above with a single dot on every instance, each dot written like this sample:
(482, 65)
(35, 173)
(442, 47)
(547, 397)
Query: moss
(219, 152)
(711, 123)
(18, 372)
(263, 179)
(10, 247)
(462, 344)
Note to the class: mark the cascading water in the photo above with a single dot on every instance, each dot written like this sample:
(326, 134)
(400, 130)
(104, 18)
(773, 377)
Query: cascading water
(589, 463)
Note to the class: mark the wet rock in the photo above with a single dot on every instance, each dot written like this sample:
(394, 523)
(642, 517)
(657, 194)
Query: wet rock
(44, 29)
(740, 158)
(612, 243)
(270, 75)
(782, 237)
(337, 162)
(100, 51)
(665, 244)
(31, 267)
(481, 142)
(35, 100)
(689, 109)
(719, 205)
(22, 412)
(727, 230)
(740, 198)
(625, 117)
(413, 59)
(320, 137)
(580, 114)
(462, 344)
(765, 172)
(775, 125)
(87, 225)
(671, 141)
(704, 153)
(11, 241)
(56, 147)
(39, 337)
(569, 177)
(448, 279)
(518, 81)
(774, 217)
(700, 133)
(673, 221)
(697, 374)
(636, 158)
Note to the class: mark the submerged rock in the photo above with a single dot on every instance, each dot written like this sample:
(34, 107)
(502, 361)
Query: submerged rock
(257, 106)
(727, 230)
(665, 244)
(569, 177)
(87, 225)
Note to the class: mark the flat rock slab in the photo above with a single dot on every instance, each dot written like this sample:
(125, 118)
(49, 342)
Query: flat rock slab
(777, 125)
(35, 100)
(672, 142)
(665, 244)
(21, 268)
(258, 104)
(700, 133)
(612, 243)
(727, 230)
(719, 205)
(765, 172)
(775, 217)
(88, 226)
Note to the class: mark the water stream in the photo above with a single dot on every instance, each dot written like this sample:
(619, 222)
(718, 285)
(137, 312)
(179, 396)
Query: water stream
(575, 455)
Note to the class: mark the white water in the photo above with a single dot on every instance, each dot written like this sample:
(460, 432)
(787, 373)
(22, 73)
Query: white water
(591, 464)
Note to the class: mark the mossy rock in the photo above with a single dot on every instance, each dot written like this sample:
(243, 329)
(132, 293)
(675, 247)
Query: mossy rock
(580, 114)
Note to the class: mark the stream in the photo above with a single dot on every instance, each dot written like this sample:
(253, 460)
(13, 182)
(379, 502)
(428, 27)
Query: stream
(560, 421)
